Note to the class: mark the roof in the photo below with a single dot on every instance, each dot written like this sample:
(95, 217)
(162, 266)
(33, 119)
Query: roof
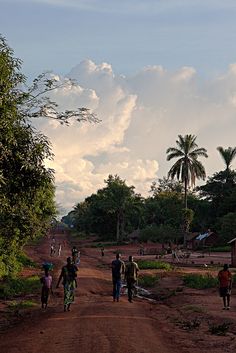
(202, 236)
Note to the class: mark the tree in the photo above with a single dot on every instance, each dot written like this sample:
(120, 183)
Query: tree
(228, 155)
(166, 185)
(187, 168)
(26, 185)
(119, 196)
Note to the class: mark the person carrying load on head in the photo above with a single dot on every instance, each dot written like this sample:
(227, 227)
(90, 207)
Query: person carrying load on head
(46, 282)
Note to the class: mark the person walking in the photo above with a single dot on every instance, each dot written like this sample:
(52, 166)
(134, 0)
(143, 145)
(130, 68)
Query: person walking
(59, 250)
(52, 249)
(102, 252)
(46, 282)
(69, 275)
(74, 253)
(225, 285)
(118, 269)
(131, 276)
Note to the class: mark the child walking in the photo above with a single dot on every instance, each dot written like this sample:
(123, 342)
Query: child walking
(46, 282)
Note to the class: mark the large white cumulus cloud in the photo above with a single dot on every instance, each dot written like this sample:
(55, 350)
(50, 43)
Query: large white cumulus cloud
(141, 117)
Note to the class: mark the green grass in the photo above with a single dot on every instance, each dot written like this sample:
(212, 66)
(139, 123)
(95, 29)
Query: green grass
(11, 287)
(148, 280)
(25, 260)
(193, 309)
(24, 304)
(200, 281)
(224, 248)
(150, 265)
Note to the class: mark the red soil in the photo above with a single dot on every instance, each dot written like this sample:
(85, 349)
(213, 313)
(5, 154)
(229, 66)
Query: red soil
(97, 325)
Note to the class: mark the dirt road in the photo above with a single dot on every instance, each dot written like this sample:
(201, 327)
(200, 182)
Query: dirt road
(95, 323)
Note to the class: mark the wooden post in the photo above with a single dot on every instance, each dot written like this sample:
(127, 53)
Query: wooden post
(233, 254)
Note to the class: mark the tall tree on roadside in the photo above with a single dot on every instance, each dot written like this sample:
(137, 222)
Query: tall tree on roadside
(26, 185)
(187, 168)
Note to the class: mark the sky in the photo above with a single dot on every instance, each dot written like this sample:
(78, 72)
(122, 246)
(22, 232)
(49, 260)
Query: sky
(149, 69)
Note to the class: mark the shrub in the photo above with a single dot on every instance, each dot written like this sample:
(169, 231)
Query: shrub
(146, 265)
(200, 281)
(148, 281)
(25, 260)
(12, 287)
(220, 330)
(24, 304)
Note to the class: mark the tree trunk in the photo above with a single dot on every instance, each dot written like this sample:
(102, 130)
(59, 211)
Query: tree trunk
(122, 224)
(118, 227)
(186, 206)
(185, 193)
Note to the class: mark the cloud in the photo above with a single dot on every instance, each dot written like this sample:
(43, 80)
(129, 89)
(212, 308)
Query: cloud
(142, 116)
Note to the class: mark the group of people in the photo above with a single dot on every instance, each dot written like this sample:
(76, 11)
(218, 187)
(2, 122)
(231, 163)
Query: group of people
(120, 271)
(55, 249)
(129, 272)
(68, 276)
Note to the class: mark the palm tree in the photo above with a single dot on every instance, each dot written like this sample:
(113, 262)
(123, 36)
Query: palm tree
(228, 154)
(187, 168)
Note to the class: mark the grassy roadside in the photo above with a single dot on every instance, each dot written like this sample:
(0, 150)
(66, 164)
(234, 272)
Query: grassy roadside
(15, 285)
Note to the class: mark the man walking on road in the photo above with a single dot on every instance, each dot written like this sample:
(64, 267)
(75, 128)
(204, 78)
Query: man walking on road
(131, 276)
(118, 269)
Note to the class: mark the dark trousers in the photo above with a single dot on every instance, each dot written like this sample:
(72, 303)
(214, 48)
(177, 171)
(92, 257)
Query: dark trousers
(131, 287)
(116, 287)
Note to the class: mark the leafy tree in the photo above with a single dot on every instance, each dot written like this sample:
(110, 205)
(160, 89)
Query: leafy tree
(187, 168)
(166, 185)
(118, 199)
(26, 185)
(110, 211)
(227, 227)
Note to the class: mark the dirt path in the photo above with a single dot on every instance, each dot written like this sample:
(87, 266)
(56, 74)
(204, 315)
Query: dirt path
(97, 325)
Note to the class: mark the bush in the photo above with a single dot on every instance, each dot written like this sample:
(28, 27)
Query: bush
(12, 287)
(148, 281)
(24, 304)
(25, 261)
(200, 281)
(146, 265)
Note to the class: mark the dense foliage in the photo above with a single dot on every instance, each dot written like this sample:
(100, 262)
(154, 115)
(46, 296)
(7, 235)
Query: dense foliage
(26, 185)
(162, 216)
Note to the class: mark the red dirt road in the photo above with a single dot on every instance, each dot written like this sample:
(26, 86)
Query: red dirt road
(97, 325)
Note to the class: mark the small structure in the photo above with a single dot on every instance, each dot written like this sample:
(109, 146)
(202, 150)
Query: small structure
(190, 240)
(232, 242)
(134, 236)
(207, 239)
